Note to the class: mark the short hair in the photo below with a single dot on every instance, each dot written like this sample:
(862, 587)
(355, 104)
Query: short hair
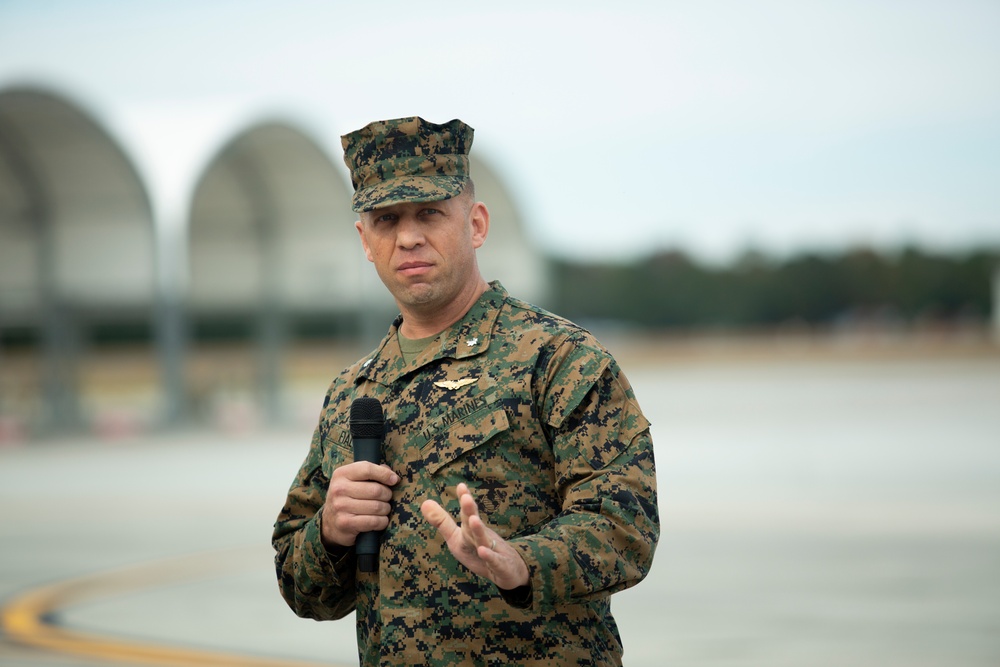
(469, 189)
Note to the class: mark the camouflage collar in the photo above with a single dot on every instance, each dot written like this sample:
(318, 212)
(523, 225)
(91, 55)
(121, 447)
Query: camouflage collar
(466, 338)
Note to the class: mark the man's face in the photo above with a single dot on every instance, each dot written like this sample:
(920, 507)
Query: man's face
(425, 253)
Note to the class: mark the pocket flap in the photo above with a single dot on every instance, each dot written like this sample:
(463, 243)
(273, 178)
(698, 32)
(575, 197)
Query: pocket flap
(464, 435)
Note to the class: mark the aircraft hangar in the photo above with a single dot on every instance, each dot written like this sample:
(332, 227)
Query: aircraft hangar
(265, 251)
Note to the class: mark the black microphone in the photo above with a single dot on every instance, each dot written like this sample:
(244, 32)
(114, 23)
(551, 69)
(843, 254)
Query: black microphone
(367, 431)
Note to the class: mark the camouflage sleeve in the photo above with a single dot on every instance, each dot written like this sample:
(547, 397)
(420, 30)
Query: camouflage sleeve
(605, 536)
(314, 583)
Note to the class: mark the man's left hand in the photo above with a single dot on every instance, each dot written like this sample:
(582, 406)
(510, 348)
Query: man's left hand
(474, 544)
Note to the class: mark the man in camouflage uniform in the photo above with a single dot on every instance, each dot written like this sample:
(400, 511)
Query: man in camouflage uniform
(518, 491)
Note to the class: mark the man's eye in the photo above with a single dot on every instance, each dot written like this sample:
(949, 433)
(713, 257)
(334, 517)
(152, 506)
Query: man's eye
(429, 211)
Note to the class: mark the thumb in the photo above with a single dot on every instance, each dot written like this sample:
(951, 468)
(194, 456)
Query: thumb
(436, 515)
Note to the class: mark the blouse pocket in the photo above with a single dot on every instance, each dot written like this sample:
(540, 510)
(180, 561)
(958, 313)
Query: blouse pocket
(513, 493)
(463, 437)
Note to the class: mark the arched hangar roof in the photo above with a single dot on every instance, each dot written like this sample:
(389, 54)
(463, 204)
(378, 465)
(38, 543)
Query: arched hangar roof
(270, 222)
(267, 218)
(76, 226)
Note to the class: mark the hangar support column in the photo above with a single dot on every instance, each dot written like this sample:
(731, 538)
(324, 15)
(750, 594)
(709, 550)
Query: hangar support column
(76, 243)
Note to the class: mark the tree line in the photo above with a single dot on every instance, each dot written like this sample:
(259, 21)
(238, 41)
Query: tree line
(671, 290)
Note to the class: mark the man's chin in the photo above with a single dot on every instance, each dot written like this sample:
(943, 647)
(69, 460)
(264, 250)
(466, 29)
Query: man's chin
(417, 294)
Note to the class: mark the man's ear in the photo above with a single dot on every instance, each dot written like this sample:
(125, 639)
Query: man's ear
(364, 242)
(480, 217)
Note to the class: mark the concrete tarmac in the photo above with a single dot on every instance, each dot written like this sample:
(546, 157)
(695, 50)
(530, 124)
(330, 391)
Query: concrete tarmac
(815, 512)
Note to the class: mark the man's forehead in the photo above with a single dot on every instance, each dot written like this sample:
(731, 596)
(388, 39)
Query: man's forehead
(407, 205)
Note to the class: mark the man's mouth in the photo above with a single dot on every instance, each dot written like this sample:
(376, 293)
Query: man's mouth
(413, 268)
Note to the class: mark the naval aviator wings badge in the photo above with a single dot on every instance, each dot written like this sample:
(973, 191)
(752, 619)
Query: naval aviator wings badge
(454, 384)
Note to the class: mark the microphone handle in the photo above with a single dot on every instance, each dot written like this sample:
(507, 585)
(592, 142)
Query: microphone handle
(367, 545)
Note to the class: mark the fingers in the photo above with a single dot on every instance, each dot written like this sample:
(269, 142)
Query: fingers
(343, 505)
(466, 535)
(358, 500)
(474, 530)
(341, 527)
(466, 503)
(362, 480)
(361, 471)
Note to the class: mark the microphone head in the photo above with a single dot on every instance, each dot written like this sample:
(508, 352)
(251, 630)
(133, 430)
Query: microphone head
(366, 418)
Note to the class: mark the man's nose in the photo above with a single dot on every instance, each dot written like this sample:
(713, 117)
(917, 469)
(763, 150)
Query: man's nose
(409, 232)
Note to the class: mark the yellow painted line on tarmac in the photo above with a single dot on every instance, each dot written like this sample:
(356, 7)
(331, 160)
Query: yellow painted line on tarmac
(24, 619)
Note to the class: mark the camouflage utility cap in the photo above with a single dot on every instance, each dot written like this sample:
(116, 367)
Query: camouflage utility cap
(407, 160)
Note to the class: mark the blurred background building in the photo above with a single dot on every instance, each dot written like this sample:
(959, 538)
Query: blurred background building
(226, 306)
(267, 256)
(655, 168)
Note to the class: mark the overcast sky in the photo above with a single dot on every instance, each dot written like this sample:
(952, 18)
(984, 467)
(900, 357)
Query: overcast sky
(621, 126)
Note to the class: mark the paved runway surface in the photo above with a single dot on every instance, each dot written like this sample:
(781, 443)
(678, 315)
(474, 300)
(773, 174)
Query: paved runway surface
(814, 513)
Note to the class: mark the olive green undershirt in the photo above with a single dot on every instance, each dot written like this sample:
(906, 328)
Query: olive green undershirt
(412, 347)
